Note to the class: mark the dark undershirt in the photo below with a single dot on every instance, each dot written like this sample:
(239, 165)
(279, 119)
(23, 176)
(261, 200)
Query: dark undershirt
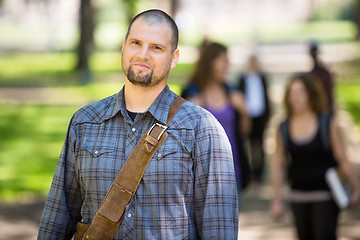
(132, 115)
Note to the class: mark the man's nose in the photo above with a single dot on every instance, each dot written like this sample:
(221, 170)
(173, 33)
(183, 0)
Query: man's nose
(144, 52)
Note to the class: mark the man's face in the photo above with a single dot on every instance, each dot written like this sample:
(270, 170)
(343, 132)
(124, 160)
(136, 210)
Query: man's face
(146, 54)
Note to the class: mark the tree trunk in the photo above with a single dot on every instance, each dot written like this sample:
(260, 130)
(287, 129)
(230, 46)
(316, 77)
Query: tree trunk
(174, 4)
(357, 18)
(86, 41)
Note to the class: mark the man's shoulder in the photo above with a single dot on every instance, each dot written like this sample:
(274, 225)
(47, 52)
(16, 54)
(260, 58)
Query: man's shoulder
(95, 112)
(192, 115)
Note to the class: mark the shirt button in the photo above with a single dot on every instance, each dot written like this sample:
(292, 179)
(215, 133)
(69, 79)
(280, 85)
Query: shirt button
(159, 155)
(96, 152)
(133, 129)
(129, 215)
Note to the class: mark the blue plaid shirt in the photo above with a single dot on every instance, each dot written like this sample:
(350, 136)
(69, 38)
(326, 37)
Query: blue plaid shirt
(188, 190)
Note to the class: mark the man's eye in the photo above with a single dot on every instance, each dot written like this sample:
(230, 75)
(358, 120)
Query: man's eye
(135, 43)
(157, 48)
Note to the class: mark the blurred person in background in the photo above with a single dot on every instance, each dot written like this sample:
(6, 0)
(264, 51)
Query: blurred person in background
(191, 88)
(253, 84)
(302, 156)
(322, 74)
(226, 104)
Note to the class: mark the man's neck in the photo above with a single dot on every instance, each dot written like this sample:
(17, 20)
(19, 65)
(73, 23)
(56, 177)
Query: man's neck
(138, 98)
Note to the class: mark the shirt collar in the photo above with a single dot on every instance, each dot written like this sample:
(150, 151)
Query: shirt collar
(117, 105)
(159, 108)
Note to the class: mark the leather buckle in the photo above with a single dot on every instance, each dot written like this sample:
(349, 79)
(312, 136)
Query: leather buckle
(159, 125)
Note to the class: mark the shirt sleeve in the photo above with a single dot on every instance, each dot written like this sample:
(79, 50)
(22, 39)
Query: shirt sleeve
(215, 185)
(62, 207)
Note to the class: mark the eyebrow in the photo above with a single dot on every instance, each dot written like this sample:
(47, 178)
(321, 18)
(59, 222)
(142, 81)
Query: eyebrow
(152, 44)
(158, 45)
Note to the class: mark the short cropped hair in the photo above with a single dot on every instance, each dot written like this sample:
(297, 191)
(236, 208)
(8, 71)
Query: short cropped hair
(156, 16)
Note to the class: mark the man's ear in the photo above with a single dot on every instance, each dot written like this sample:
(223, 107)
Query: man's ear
(175, 58)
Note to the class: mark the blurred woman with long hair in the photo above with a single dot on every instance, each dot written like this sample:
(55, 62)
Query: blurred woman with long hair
(301, 153)
(226, 104)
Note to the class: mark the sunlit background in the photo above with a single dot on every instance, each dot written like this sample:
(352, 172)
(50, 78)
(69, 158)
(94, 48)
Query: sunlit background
(59, 55)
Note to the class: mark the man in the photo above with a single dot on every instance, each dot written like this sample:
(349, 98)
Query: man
(323, 75)
(253, 84)
(188, 190)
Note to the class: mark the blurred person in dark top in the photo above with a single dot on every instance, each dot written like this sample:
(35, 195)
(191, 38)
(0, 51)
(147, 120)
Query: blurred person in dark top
(302, 155)
(253, 84)
(322, 74)
(210, 91)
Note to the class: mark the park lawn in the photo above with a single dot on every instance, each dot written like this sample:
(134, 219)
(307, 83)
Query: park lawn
(349, 96)
(31, 140)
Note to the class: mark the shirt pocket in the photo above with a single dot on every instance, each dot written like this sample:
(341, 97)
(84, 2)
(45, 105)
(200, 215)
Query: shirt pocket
(164, 153)
(97, 157)
(97, 166)
(169, 174)
(98, 150)
(170, 164)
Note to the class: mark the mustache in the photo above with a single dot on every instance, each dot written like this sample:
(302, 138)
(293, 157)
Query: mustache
(143, 63)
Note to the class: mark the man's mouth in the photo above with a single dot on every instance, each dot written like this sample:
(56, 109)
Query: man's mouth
(141, 66)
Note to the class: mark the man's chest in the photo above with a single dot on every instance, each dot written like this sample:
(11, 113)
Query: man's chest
(104, 148)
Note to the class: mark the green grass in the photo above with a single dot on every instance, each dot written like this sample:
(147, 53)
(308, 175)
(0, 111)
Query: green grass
(34, 67)
(349, 95)
(31, 140)
(52, 68)
(348, 87)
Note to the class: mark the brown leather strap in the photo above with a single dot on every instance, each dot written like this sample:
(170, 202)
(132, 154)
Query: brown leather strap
(174, 107)
(112, 209)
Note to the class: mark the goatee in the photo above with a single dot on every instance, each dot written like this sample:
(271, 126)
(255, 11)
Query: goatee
(144, 80)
